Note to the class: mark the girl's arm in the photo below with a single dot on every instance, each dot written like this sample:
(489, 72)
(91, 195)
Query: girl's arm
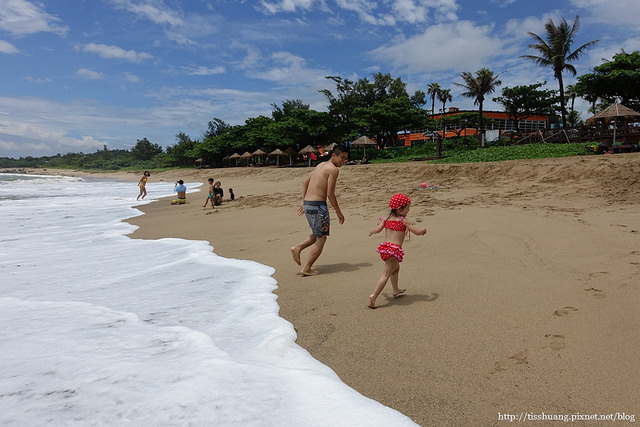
(378, 228)
(412, 228)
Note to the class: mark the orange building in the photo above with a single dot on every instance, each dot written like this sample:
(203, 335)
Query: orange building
(497, 120)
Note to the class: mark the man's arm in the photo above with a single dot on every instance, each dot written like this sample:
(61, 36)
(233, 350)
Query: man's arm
(305, 187)
(332, 179)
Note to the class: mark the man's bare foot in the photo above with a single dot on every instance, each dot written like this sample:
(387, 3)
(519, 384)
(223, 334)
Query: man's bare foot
(296, 255)
(309, 273)
(399, 293)
(372, 302)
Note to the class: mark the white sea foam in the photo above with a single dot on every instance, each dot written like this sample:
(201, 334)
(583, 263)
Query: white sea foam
(100, 329)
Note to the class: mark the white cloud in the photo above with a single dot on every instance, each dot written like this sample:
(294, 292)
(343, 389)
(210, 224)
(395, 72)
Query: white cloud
(89, 74)
(456, 46)
(608, 12)
(286, 5)
(38, 79)
(289, 69)
(6, 47)
(131, 78)
(21, 17)
(154, 10)
(110, 52)
(203, 71)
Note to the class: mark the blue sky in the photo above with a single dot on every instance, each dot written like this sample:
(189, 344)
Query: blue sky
(76, 75)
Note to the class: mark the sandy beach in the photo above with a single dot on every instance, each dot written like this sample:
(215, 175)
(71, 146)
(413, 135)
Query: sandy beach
(521, 299)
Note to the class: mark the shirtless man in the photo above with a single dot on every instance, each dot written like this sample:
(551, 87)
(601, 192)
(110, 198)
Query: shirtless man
(319, 186)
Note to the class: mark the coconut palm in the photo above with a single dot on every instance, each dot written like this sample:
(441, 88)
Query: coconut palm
(443, 96)
(433, 90)
(555, 52)
(572, 94)
(476, 87)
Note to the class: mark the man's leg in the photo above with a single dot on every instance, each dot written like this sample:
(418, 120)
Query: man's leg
(314, 254)
(296, 250)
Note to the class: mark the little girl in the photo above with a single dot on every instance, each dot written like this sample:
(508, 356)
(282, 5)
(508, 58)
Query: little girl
(395, 226)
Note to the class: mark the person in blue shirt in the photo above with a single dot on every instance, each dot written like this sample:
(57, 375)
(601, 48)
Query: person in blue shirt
(181, 189)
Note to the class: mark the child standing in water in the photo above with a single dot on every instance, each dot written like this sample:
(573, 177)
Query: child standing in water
(143, 185)
(395, 226)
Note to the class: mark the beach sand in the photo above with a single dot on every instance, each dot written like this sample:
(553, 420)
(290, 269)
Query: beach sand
(522, 298)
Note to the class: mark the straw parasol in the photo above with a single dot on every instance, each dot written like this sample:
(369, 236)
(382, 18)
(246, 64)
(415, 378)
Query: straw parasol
(258, 153)
(363, 142)
(329, 147)
(308, 150)
(615, 112)
(235, 156)
(246, 155)
(277, 152)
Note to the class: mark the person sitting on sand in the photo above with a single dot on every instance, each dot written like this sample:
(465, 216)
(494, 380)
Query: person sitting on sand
(319, 186)
(181, 189)
(218, 193)
(395, 226)
(232, 196)
(210, 196)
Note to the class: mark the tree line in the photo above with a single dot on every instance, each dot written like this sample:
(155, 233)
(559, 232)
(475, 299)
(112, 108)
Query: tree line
(381, 108)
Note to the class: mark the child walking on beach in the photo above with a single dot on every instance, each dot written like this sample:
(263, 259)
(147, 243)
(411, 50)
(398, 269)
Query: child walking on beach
(210, 196)
(395, 226)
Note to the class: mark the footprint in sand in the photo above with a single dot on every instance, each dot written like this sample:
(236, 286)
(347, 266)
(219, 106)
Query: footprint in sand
(556, 342)
(564, 311)
(517, 359)
(598, 293)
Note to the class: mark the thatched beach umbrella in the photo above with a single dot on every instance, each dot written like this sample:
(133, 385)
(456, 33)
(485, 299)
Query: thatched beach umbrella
(198, 162)
(363, 142)
(308, 150)
(329, 147)
(616, 113)
(235, 156)
(277, 152)
(258, 153)
(246, 155)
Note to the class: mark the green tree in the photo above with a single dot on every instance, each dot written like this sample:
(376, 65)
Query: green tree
(377, 108)
(554, 51)
(520, 102)
(433, 90)
(443, 96)
(145, 150)
(617, 79)
(215, 127)
(181, 154)
(477, 87)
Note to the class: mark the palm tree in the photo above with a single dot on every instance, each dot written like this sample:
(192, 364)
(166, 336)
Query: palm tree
(433, 90)
(476, 87)
(572, 93)
(555, 52)
(444, 96)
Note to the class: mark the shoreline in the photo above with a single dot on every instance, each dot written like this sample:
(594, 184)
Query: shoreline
(521, 297)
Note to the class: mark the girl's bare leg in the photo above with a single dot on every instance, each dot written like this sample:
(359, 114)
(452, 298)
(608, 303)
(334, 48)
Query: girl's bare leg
(394, 283)
(391, 267)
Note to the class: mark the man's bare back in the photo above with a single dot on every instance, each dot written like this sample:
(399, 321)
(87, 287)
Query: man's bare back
(319, 181)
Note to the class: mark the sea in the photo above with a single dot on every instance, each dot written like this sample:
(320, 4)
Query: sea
(98, 329)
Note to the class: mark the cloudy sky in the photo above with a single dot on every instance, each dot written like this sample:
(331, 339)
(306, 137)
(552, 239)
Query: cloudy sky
(77, 75)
